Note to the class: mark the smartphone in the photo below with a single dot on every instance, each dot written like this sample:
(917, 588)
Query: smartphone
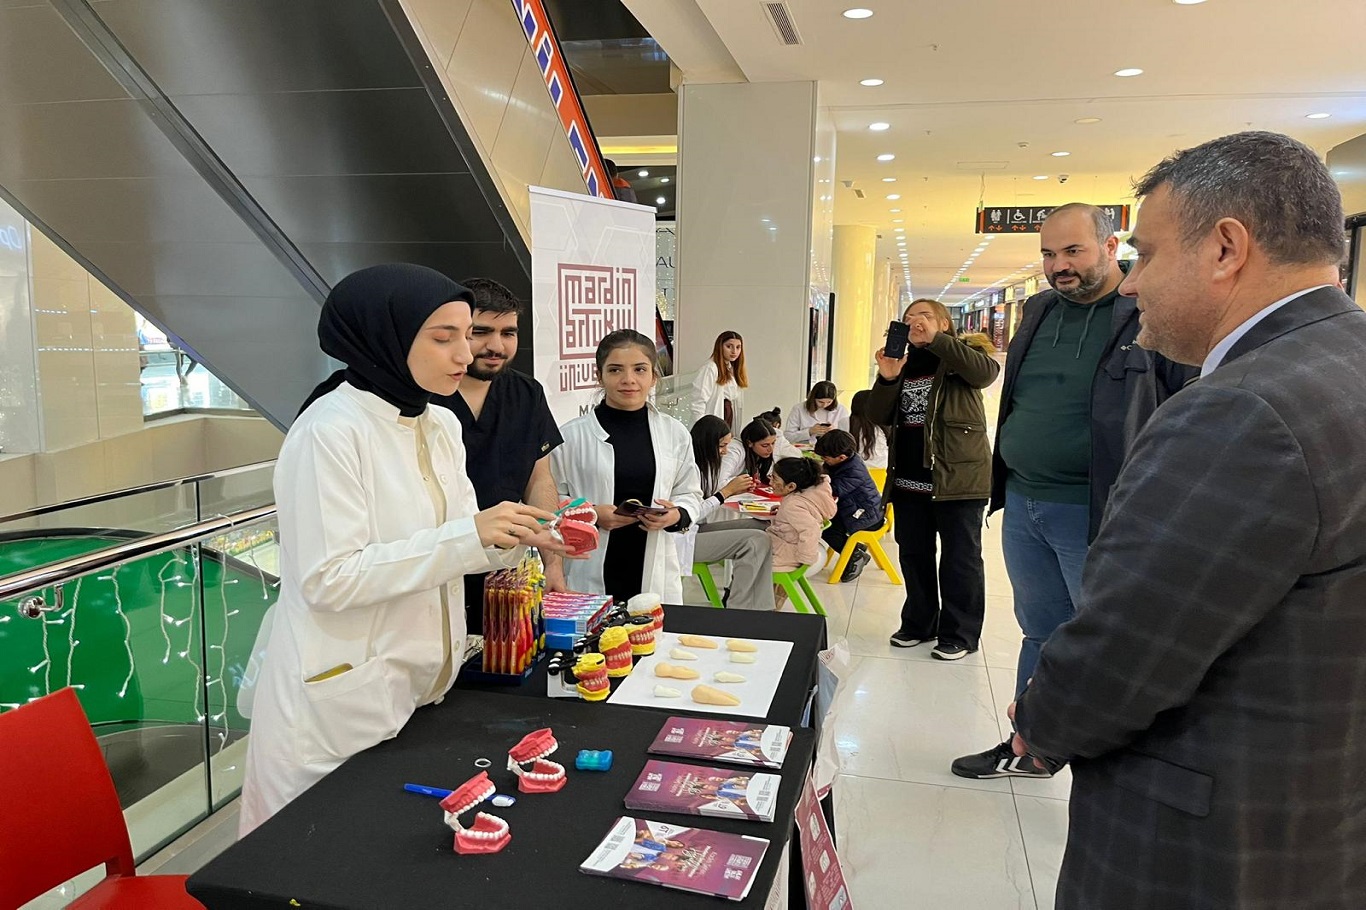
(898, 333)
(634, 508)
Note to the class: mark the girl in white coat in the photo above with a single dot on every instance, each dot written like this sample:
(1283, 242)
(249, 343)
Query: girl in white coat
(758, 448)
(626, 449)
(719, 387)
(378, 525)
(818, 415)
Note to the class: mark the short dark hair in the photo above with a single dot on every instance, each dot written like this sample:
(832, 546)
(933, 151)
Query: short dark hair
(625, 338)
(1274, 185)
(1100, 219)
(800, 471)
(836, 443)
(492, 297)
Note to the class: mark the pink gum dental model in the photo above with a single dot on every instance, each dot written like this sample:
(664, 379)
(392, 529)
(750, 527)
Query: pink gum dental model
(489, 833)
(543, 776)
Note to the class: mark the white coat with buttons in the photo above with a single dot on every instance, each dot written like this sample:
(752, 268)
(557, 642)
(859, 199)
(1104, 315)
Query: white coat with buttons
(363, 561)
(585, 466)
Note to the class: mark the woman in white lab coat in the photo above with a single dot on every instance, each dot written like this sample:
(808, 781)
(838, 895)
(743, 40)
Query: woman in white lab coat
(718, 388)
(625, 449)
(760, 445)
(378, 524)
(819, 414)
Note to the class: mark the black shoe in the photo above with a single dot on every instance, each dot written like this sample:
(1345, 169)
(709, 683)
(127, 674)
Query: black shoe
(857, 560)
(951, 650)
(906, 640)
(1002, 761)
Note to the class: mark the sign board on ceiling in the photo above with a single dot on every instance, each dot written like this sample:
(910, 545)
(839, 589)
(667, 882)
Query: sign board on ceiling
(1028, 219)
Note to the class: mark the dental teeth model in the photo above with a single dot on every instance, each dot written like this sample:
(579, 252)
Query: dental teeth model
(648, 605)
(681, 654)
(642, 634)
(542, 776)
(489, 834)
(722, 676)
(615, 645)
(742, 657)
(706, 695)
(739, 644)
(669, 671)
(591, 673)
(697, 641)
(666, 692)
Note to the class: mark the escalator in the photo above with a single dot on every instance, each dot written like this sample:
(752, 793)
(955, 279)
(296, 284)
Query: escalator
(219, 164)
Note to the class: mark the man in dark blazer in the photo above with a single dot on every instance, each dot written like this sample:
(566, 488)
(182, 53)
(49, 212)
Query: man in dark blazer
(1211, 691)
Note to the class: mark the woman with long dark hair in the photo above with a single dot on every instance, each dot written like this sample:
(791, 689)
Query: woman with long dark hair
(818, 415)
(719, 387)
(760, 445)
(871, 440)
(940, 477)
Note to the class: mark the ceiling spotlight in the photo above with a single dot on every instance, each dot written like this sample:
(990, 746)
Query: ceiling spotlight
(663, 179)
(887, 156)
(1093, 119)
(889, 180)
(901, 230)
(894, 211)
(1040, 176)
(1319, 116)
(858, 12)
(1061, 154)
(898, 220)
(1187, 2)
(894, 196)
(660, 200)
(1129, 71)
(871, 83)
(879, 126)
(642, 173)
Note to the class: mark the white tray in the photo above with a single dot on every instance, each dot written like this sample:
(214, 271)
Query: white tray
(755, 693)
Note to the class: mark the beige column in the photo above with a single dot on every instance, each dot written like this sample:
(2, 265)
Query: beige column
(854, 259)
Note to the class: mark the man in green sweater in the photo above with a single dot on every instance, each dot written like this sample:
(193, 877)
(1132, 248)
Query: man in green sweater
(1077, 390)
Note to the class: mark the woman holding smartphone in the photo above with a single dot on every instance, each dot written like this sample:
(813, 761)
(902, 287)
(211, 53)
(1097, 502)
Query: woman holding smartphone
(636, 466)
(818, 415)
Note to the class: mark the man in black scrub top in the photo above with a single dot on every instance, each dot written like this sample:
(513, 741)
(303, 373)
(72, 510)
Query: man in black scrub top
(509, 431)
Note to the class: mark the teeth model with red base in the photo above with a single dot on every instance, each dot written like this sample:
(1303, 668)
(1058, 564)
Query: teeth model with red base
(574, 526)
(591, 672)
(615, 645)
(543, 776)
(648, 605)
(489, 834)
(641, 630)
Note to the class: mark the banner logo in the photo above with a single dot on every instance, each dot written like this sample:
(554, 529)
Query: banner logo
(595, 300)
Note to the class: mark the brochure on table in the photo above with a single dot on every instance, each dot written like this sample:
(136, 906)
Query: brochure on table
(690, 859)
(755, 693)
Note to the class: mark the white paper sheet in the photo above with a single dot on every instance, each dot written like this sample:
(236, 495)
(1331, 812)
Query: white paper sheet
(755, 693)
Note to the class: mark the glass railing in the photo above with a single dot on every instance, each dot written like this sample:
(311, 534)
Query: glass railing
(673, 396)
(152, 627)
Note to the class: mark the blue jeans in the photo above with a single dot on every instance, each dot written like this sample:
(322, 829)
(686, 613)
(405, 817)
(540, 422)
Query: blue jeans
(1045, 549)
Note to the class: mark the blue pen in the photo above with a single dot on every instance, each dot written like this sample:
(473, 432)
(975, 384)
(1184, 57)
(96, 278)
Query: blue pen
(427, 791)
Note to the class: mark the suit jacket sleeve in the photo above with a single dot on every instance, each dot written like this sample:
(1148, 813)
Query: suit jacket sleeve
(1210, 526)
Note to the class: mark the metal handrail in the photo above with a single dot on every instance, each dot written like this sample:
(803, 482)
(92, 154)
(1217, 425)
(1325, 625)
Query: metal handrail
(30, 580)
(132, 491)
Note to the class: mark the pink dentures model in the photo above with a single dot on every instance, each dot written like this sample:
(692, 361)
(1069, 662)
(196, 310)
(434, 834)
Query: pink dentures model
(543, 776)
(489, 834)
(642, 634)
(574, 526)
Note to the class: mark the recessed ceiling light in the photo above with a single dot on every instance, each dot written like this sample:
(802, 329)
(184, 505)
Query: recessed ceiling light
(886, 157)
(894, 196)
(858, 12)
(1129, 71)
(1090, 119)
(663, 179)
(660, 200)
(898, 221)
(1319, 116)
(1040, 176)
(642, 173)
(879, 126)
(1187, 2)
(900, 230)
(1061, 154)
(889, 180)
(894, 211)
(871, 83)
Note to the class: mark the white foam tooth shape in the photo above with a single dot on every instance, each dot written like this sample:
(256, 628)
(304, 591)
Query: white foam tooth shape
(742, 657)
(667, 692)
(681, 654)
(722, 676)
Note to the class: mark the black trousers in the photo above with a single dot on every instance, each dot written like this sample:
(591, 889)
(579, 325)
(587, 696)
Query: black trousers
(949, 601)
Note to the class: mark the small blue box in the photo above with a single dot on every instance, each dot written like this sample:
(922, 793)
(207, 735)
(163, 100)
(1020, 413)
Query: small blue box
(588, 760)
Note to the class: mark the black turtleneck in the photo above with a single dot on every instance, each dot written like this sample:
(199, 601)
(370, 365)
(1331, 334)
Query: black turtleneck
(633, 477)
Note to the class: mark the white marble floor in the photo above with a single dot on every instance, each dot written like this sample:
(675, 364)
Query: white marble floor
(910, 833)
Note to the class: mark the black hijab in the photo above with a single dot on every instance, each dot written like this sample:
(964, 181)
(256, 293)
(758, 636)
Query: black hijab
(369, 322)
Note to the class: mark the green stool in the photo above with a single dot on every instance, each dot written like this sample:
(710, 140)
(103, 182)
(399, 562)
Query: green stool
(703, 572)
(791, 581)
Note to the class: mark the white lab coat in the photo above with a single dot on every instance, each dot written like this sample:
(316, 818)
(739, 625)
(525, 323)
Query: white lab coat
(585, 466)
(733, 462)
(800, 421)
(363, 559)
(878, 458)
(709, 396)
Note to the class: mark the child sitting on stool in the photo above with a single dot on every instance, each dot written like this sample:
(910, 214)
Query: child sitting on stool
(795, 530)
(859, 499)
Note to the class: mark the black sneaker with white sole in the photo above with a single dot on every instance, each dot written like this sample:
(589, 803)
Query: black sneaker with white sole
(857, 560)
(951, 650)
(906, 640)
(1002, 761)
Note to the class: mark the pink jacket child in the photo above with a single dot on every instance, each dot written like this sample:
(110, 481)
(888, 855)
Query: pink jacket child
(795, 531)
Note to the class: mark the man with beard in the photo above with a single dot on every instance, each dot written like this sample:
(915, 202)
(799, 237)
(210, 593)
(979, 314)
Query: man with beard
(1077, 390)
(509, 431)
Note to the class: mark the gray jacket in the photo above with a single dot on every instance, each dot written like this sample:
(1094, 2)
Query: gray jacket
(1211, 691)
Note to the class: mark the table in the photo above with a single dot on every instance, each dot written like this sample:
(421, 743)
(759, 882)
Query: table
(357, 841)
(806, 631)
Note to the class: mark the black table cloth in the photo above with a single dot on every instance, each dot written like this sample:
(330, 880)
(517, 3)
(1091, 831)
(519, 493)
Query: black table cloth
(806, 631)
(357, 841)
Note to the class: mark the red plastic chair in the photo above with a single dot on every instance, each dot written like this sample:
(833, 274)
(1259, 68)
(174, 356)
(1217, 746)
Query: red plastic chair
(61, 814)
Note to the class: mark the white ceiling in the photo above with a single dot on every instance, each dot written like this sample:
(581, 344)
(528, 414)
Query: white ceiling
(968, 83)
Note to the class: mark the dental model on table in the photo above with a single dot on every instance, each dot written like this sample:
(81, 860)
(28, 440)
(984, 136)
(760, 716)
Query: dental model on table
(489, 833)
(542, 776)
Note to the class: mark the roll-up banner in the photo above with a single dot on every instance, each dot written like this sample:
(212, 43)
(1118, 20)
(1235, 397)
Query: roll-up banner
(592, 273)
